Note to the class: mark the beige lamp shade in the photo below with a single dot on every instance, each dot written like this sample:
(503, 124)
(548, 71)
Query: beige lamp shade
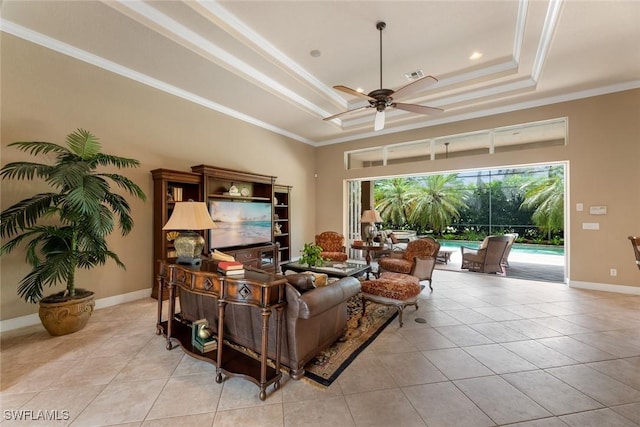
(187, 217)
(190, 216)
(370, 216)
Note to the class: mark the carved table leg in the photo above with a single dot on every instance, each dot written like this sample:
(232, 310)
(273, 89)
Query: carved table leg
(266, 313)
(172, 312)
(221, 309)
(160, 280)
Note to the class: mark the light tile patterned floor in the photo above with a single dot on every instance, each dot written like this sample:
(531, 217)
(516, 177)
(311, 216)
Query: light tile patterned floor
(494, 351)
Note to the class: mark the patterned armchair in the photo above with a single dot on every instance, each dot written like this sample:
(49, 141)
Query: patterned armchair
(418, 259)
(332, 244)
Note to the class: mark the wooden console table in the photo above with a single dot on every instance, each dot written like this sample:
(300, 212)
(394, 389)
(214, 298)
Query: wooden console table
(255, 288)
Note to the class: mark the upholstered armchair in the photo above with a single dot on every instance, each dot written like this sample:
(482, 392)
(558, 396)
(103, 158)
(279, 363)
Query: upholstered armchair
(487, 258)
(332, 244)
(418, 259)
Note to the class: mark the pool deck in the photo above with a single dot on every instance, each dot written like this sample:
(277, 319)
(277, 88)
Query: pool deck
(548, 268)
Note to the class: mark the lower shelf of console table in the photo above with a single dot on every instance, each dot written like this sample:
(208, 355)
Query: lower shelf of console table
(234, 362)
(254, 288)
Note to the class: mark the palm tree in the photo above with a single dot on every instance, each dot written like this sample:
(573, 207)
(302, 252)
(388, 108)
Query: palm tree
(546, 196)
(78, 214)
(435, 201)
(391, 199)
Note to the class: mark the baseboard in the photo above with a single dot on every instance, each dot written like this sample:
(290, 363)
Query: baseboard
(620, 289)
(34, 319)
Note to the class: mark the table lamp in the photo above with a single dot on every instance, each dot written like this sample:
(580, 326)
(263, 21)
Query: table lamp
(370, 217)
(185, 218)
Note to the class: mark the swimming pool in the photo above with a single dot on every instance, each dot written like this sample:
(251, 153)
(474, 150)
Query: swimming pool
(524, 248)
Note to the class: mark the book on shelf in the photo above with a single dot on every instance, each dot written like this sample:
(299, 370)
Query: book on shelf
(216, 255)
(231, 272)
(230, 265)
(177, 194)
(204, 345)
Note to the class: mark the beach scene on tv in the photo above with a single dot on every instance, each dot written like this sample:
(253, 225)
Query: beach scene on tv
(239, 223)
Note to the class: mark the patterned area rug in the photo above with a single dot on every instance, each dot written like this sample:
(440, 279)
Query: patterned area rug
(329, 364)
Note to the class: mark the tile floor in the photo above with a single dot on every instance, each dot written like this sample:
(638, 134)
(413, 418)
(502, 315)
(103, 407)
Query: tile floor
(494, 351)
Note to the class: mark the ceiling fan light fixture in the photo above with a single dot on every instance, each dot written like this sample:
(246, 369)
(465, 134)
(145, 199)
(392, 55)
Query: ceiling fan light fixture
(382, 98)
(379, 122)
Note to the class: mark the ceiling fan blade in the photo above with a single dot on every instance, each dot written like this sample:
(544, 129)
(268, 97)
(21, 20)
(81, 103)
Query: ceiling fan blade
(415, 86)
(379, 123)
(346, 112)
(353, 92)
(415, 108)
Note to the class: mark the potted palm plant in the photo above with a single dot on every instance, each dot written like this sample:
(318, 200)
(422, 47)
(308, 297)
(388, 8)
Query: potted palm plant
(65, 230)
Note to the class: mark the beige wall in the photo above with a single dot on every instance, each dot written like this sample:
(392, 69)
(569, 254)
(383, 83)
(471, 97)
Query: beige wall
(603, 152)
(46, 95)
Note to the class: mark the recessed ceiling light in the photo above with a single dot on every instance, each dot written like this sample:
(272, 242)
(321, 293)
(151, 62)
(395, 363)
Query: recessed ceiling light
(475, 55)
(315, 53)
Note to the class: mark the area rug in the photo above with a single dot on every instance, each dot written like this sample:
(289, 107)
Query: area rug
(325, 368)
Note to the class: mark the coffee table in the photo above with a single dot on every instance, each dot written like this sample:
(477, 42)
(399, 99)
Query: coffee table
(333, 269)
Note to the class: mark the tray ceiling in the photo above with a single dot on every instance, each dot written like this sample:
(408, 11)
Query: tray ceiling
(253, 59)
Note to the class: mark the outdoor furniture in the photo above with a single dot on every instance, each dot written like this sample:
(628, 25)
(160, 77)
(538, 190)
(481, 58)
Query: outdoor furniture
(332, 244)
(487, 259)
(444, 256)
(465, 263)
(635, 242)
(396, 289)
(418, 259)
(507, 251)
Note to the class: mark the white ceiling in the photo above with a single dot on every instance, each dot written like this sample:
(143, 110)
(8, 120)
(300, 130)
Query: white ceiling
(251, 59)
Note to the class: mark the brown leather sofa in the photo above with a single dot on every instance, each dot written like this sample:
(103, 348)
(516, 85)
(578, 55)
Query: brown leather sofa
(313, 319)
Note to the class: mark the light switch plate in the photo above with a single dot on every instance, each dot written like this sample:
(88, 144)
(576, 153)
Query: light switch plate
(591, 226)
(579, 207)
(598, 210)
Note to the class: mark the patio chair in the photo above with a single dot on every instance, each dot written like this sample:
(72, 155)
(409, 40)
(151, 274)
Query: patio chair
(332, 244)
(486, 259)
(466, 249)
(635, 242)
(507, 251)
(418, 259)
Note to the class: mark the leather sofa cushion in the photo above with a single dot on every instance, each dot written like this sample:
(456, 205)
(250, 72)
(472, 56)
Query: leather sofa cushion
(320, 300)
(301, 281)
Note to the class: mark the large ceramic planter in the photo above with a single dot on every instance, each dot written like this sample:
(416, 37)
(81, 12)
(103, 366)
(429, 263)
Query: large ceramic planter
(62, 316)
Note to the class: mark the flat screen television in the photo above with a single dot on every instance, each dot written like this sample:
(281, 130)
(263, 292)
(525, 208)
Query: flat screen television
(239, 223)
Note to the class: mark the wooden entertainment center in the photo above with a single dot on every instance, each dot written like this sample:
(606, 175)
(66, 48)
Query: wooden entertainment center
(209, 183)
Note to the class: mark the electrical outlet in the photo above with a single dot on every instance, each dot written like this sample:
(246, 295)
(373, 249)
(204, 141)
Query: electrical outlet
(613, 272)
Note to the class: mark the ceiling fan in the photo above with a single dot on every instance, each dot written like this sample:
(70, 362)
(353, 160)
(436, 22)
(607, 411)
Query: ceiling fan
(381, 99)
